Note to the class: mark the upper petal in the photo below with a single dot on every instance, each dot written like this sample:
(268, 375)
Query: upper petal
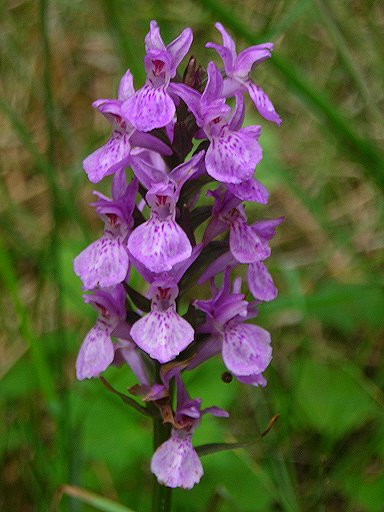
(250, 56)
(103, 263)
(179, 48)
(96, 352)
(159, 244)
(176, 464)
(126, 89)
(150, 107)
(162, 334)
(153, 40)
(214, 86)
(225, 55)
(246, 349)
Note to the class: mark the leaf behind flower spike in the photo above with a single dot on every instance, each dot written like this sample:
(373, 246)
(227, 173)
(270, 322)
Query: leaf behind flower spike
(126, 399)
(207, 449)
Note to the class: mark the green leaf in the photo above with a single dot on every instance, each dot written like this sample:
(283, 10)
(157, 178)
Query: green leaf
(126, 399)
(208, 449)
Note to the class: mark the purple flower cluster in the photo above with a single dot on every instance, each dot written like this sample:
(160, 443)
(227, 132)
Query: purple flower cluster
(177, 134)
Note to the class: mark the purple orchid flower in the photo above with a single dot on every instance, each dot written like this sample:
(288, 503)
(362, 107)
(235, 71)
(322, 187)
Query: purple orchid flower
(175, 463)
(245, 348)
(160, 243)
(163, 333)
(245, 245)
(238, 68)
(260, 282)
(114, 155)
(97, 351)
(233, 152)
(152, 106)
(105, 262)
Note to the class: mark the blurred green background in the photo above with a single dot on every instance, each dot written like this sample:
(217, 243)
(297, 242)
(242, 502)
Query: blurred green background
(325, 169)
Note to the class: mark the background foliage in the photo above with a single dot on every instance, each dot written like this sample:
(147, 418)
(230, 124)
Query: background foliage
(325, 170)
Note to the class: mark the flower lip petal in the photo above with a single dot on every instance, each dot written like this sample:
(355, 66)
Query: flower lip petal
(162, 334)
(150, 107)
(103, 263)
(96, 352)
(176, 464)
(159, 244)
(246, 349)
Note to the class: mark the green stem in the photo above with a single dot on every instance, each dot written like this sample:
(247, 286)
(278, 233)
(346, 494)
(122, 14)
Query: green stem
(162, 496)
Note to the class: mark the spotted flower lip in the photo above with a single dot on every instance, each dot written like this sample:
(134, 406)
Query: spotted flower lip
(162, 333)
(238, 68)
(152, 106)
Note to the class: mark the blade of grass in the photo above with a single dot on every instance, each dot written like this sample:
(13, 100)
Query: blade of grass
(347, 60)
(114, 15)
(90, 498)
(286, 20)
(367, 153)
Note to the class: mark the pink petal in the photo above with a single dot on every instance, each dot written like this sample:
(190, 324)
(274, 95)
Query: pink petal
(103, 263)
(162, 334)
(262, 103)
(126, 89)
(159, 244)
(225, 55)
(214, 86)
(109, 158)
(176, 464)
(179, 48)
(244, 243)
(96, 352)
(254, 380)
(246, 349)
(250, 57)
(153, 40)
(260, 282)
(228, 42)
(149, 108)
(250, 190)
(232, 155)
